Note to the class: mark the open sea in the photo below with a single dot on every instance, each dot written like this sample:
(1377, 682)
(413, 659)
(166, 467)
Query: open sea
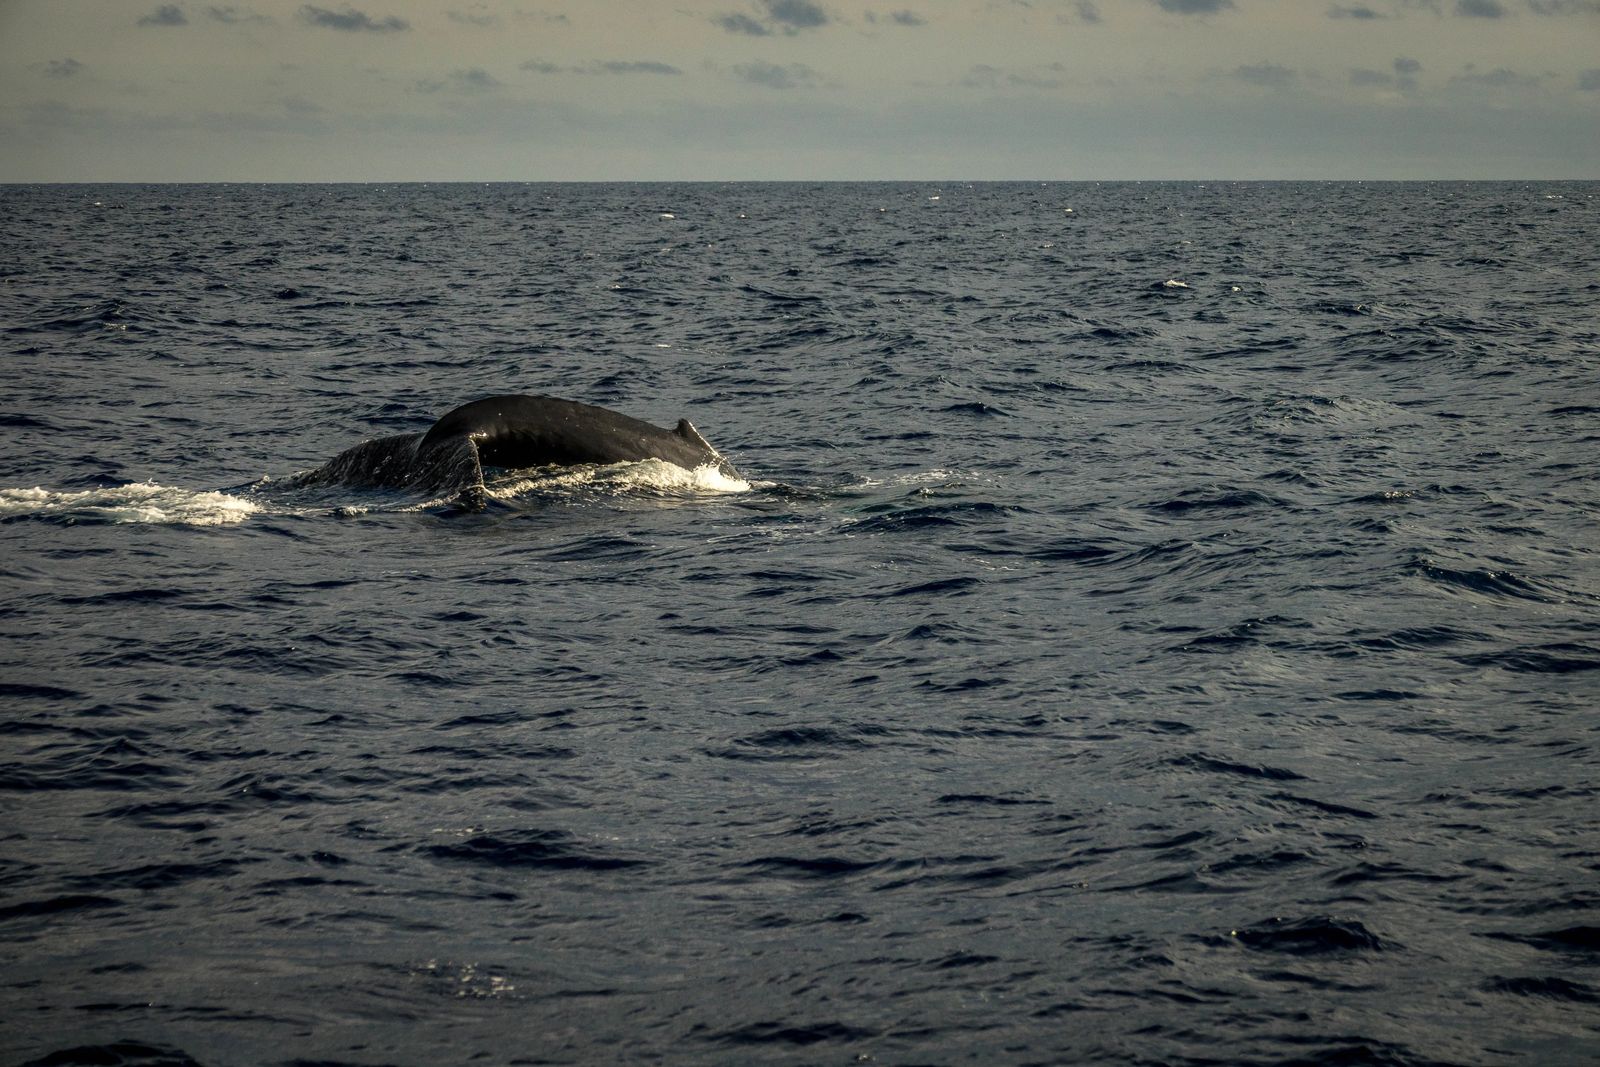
(1158, 623)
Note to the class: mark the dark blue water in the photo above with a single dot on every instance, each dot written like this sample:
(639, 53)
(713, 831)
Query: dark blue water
(1164, 631)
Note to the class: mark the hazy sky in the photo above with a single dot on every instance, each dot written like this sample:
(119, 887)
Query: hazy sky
(262, 90)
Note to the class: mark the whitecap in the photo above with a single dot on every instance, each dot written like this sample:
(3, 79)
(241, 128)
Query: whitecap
(139, 502)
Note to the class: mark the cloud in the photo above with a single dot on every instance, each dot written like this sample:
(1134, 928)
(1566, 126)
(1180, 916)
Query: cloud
(474, 80)
(1480, 9)
(1266, 75)
(613, 66)
(472, 18)
(646, 66)
(741, 24)
(1193, 7)
(900, 18)
(1403, 78)
(1499, 78)
(786, 16)
(351, 20)
(165, 15)
(1565, 7)
(62, 68)
(1589, 80)
(987, 76)
(470, 80)
(1087, 12)
(774, 76)
(233, 16)
(556, 19)
(1358, 12)
(981, 76)
(796, 14)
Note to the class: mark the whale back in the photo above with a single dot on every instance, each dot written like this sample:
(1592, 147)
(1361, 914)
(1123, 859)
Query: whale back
(513, 432)
(398, 463)
(518, 431)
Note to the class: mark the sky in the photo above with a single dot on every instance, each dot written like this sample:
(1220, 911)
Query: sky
(623, 90)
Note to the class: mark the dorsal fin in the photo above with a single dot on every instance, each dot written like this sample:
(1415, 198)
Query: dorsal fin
(685, 429)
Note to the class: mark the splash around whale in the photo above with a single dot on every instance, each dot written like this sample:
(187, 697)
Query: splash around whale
(512, 432)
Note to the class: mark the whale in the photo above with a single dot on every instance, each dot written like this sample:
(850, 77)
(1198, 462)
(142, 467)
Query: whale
(514, 431)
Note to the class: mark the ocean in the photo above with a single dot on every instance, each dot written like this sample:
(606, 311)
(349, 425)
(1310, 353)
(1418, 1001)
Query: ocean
(1155, 623)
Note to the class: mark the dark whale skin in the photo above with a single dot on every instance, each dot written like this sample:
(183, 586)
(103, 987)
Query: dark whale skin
(513, 431)
(518, 431)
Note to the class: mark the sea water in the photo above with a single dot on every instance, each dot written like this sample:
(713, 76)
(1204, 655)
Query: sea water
(1157, 624)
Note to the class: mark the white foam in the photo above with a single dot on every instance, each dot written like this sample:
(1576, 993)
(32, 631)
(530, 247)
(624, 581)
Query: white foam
(649, 475)
(1173, 283)
(142, 502)
(937, 476)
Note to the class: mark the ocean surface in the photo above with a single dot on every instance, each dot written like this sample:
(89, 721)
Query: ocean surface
(1157, 624)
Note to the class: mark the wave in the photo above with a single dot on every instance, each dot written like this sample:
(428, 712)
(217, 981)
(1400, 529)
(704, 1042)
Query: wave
(137, 502)
(1501, 582)
(1309, 936)
(528, 848)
